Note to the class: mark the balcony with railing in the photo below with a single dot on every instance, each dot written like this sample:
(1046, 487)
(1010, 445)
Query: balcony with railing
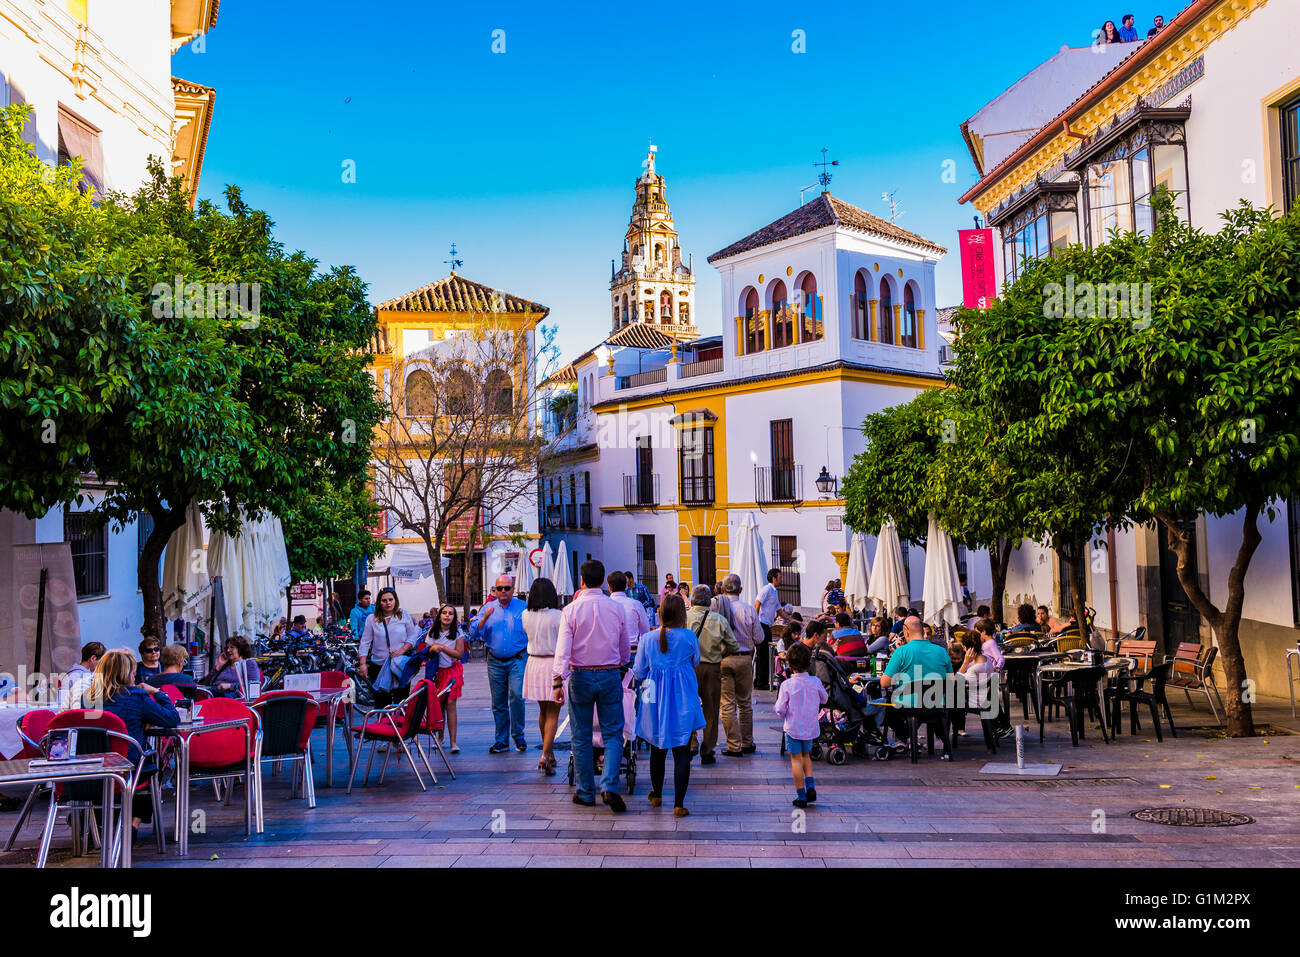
(641, 490)
(697, 490)
(584, 515)
(571, 515)
(642, 378)
(777, 484)
(703, 367)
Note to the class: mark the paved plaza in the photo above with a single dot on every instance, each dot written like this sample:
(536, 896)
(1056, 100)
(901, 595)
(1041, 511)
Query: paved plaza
(501, 812)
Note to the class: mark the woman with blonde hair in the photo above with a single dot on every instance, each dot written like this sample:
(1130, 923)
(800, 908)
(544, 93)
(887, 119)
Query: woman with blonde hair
(113, 689)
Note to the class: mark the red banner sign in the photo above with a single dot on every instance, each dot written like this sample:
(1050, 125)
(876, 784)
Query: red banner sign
(458, 532)
(303, 591)
(979, 281)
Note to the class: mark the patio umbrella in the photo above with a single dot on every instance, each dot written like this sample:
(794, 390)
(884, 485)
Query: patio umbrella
(548, 563)
(888, 586)
(563, 576)
(857, 585)
(254, 570)
(525, 573)
(942, 591)
(185, 574)
(747, 558)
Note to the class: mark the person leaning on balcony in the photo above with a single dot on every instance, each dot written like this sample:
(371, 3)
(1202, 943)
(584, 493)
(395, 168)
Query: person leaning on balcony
(717, 641)
(737, 713)
(1110, 33)
(1128, 33)
(1159, 24)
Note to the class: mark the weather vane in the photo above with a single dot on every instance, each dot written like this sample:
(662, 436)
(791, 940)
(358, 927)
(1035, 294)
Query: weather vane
(825, 177)
(453, 262)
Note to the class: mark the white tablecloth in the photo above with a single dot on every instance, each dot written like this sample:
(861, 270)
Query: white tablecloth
(10, 715)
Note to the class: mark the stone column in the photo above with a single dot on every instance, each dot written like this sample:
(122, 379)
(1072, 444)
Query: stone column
(875, 334)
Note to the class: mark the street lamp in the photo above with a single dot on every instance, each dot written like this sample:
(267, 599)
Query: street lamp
(825, 482)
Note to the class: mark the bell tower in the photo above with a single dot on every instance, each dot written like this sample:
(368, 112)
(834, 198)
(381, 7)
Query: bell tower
(653, 287)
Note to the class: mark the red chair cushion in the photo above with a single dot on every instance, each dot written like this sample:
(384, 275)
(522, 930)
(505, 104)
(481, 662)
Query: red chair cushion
(377, 729)
(34, 724)
(86, 718)
(309, 717)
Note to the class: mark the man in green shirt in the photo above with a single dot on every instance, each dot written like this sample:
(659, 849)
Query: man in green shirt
(717, 640)
(917, 660)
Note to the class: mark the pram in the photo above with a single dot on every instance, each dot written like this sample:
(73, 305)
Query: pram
(627, 764)
(845, 724)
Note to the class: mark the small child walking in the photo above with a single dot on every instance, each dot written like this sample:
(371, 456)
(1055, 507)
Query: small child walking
(798, 702)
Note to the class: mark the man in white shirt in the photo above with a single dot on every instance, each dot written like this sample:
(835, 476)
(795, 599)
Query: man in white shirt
(633, 610)
(77, 681)
(738, 674)
(766, 606)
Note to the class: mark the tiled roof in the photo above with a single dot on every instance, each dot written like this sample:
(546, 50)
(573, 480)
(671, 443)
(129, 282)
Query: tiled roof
(458, 294)
(821, 212)
(380, 343)
(945, 313)
(640, 336)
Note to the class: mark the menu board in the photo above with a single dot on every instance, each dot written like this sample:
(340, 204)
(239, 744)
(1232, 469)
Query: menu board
(61, 629)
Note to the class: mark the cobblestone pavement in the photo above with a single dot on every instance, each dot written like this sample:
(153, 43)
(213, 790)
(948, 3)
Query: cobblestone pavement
(501, 812)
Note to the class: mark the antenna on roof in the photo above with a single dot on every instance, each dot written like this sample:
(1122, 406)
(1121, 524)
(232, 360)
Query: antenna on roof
(453, 262)
(895, 209)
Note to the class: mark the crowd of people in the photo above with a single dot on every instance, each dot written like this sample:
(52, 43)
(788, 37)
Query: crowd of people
(1127, 32)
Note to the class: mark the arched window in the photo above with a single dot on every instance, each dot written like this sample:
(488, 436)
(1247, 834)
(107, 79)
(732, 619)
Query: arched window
(659, 252)
(810, 310)
(684, 313)
(460, 393)
(782, 316)
(886, 310)
(500, 393)
(907, 332)
(861, 311)
(666, 306)
(626, 317)
(755, 337)
(421, 397)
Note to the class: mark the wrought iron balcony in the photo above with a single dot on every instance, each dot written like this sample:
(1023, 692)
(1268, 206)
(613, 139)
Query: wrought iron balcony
(641, 490)
(776, 484)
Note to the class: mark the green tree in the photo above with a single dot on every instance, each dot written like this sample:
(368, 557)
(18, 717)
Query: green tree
(62, 328)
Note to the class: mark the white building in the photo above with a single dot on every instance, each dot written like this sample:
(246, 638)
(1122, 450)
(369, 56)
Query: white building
(1210, 107)
(674, 443)
(100, 84)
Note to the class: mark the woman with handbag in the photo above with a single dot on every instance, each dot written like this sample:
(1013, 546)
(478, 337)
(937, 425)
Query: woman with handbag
(542, 625)
(389, 632)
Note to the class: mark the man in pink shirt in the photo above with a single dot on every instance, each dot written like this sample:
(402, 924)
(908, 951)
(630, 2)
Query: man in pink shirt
(594, 644)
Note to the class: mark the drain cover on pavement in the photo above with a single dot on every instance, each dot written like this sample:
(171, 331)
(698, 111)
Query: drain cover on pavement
(1192, 817)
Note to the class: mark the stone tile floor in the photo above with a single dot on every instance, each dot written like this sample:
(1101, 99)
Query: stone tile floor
(501, 812)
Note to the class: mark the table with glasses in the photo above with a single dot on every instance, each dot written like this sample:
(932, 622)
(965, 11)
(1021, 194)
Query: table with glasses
(184, 735)
(113, 770)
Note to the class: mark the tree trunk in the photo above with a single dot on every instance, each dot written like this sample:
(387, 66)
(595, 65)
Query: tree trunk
(1074, 554)
(1225, 623)
(165, 521)
(434, 548)
(999, 558)
(469, 558)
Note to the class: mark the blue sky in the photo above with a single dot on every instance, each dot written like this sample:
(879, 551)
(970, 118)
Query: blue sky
(526, 159)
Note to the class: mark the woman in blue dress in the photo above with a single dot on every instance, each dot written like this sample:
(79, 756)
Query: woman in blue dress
(670, 699)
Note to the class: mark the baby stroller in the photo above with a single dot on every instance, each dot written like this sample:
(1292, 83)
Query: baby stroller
(627, 765)
(845, 724)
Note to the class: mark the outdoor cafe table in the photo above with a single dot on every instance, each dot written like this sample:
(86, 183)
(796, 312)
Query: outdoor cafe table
(185, 735)
(332, 701)
(1111, 667)
(10, 714)
(113, 770)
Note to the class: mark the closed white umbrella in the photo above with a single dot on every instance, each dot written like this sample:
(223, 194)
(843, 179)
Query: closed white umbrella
(857, 586)
(563, 576)
(942, 590)
(185, 572)
(254, 570)
(888, 586)
(548, 563)
(747, 558)
(525, 573)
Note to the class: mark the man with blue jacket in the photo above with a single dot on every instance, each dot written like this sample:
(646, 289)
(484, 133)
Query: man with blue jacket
(500, 624)
(360, 612)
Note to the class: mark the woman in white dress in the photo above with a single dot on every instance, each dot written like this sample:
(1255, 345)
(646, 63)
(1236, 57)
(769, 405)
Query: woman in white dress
(542, 625)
